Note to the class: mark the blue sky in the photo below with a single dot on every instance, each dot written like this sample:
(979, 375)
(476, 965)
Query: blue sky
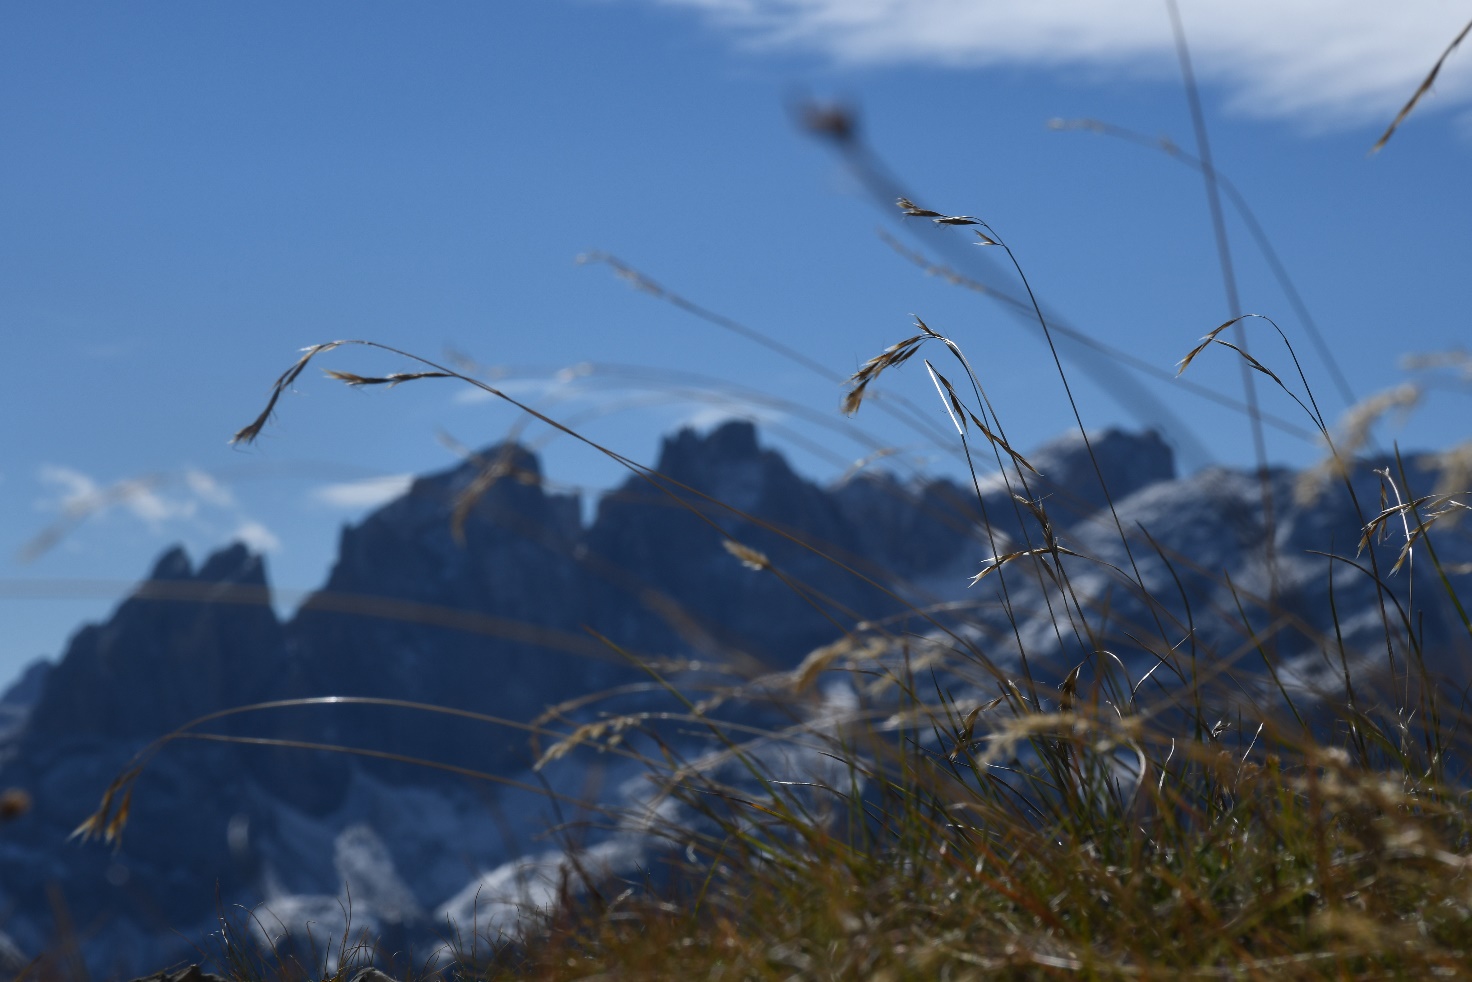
(189, 193)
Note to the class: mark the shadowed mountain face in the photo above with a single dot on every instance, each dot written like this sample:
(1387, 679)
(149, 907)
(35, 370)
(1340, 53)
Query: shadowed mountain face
(192, 639)
(479, 590)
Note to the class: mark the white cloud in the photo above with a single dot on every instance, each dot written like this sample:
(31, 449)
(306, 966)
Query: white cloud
(367, 493)
(181, 504)
(206, 488)
(74, 489)
(709, 417)
(1341, 62)
(77, 495)
(558, 386)
(257, 536)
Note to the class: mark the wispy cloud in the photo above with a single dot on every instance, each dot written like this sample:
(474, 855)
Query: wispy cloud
(1349, 61)
(184, 504)
(76, 494)
(204, 487)
(563, 384)
(367, 493)
(708, 417)
(257, 536)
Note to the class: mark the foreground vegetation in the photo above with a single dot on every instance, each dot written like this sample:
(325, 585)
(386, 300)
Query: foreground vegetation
(1009, 824)
(983, 819)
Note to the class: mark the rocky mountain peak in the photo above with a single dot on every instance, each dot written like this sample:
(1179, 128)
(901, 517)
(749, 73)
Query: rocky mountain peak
(235, 564)
(185, 643)
(726, 463)
(173, 564)
(1127, 462)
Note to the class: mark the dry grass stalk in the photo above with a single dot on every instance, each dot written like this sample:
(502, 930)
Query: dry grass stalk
(1421, 90)
(1068, 690)
(1455, 359)
(897, 354)
(1211, 338)
(604, 734)
(1206, 341)
(1454, 467)
(750, 558)
(853, 650)
(1093, 839)
(965, 737)
(947, 273)
(998, 562)
(248, 433)
(392, 379)
(1436, 507)
(912, 210)
(891, 357)
(503, 466)
(1352, 436)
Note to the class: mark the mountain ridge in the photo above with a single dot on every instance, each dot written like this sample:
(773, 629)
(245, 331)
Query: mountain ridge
(494, 619)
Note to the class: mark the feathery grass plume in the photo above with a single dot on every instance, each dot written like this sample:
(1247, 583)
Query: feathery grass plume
(1206, 341)
(102, 822)
(1309, 407)
(1351, 436)
(750, 558)
(1456, 359)
(392, 379)
(912, 210)
(248, 433)
(853, 650)
(862, 464)
(909, 209)
(604, 734)
(893, 356)
(1421, 90)
(113, 832)
(1437, 507)
(1068, 690)
(1040, 514)
(897, 354)
(965, 737)
(998, 562)
(1454, 467)
(1212, 338)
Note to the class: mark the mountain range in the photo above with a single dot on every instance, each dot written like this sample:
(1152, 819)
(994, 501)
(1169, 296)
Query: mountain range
(482, 592)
